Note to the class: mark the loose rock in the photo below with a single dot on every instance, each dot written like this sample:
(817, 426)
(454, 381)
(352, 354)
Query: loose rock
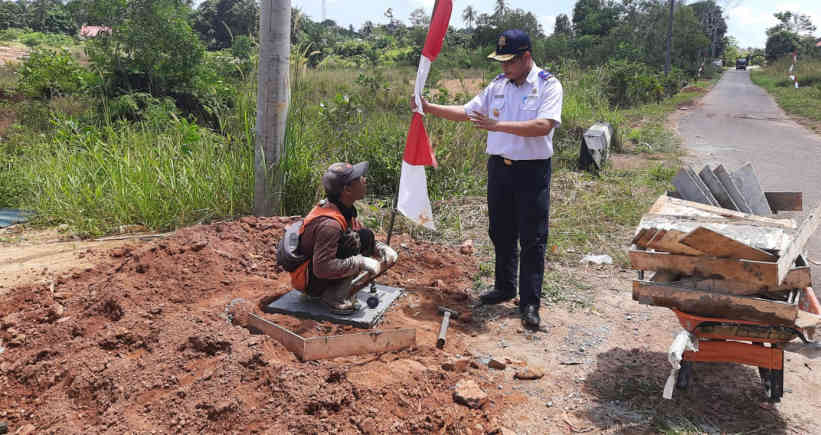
(496, 364)
(469, 394)
(457, 366)
(529, 373)
(466, 247)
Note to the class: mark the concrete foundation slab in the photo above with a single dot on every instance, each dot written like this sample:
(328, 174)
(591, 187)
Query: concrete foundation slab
(297, 304)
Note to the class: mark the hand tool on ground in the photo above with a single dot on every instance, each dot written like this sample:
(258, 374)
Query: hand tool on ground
(447, 313)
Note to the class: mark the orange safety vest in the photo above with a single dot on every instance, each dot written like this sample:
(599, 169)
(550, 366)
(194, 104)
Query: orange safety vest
(299, 277)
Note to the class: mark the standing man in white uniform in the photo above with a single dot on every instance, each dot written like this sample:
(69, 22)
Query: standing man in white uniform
(520, 110)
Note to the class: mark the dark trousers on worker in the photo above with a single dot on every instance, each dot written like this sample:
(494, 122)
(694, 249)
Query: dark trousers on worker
(518, 199)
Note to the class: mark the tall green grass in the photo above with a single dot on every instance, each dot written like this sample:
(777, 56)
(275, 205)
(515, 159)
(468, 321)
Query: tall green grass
(95, 172)
(99, 178)
(804, 101)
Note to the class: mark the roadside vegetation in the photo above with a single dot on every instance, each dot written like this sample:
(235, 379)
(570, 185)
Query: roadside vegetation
(805, 102)
(152, 122)
(793, 34)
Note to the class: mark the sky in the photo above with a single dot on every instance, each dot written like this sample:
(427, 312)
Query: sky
(747, 19)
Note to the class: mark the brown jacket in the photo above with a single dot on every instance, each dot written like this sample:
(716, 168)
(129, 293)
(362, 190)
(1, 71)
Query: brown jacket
(320, 240)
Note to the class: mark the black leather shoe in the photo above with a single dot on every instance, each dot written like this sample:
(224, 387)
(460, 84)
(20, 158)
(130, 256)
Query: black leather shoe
(530, 317)
(495, 297)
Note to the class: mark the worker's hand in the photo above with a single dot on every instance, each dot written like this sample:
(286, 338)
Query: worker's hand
(387, 253)
(480, 120)
(369, 264)
(425, 104)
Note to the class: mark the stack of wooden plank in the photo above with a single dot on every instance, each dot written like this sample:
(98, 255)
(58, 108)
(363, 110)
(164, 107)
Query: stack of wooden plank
(717, 262)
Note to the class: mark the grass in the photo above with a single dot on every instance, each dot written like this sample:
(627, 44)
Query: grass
(804, 102)
(73, 163)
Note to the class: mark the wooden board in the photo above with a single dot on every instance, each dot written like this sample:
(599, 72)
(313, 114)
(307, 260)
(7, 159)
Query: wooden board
(771, 238)
(314, 348)
(747, 182)
(756, 273)
(785, 201)
(719, 192)
(732, 189)
(795, 249)
(799, 277)
(643, 237)
(709, 304)
(680, 207)
(718, 245)
(668, 241)
(293, 342)
(356, 344)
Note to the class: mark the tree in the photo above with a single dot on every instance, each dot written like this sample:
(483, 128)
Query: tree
(97, 12)
(595, 17)
(469, 15)
(273, 98)
(153, 49)
(419, 18)
(793, 23)
(780, 43)
(11, 15)
(669, 38)
(49, 16)
(563, 26)
(712, 20)
(500, 9)
(219, 21)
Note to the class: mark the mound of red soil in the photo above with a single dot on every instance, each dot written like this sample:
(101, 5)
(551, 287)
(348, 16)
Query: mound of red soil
(140, 342)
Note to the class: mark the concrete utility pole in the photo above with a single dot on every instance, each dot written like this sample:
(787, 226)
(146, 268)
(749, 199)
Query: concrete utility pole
(669, 39)
(273, 97)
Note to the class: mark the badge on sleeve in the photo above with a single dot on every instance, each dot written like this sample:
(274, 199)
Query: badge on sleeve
(544, 75)
(496, 113)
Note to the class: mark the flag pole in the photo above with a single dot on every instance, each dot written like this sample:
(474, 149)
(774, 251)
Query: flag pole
(393, 216)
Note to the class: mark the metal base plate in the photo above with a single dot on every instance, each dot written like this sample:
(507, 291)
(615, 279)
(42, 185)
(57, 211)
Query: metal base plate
(297, 304)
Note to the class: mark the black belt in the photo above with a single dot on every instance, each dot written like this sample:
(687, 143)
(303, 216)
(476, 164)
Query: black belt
(510, 162)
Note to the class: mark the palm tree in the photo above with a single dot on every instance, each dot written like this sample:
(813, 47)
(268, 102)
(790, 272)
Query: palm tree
(469, 15)
(500, 9)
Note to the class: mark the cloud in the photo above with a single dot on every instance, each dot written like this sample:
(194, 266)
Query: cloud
(547, 22)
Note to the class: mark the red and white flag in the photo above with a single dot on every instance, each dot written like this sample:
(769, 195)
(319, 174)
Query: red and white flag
(413, 185)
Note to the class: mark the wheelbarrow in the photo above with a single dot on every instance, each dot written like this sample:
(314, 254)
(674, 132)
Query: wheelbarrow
(738, 341)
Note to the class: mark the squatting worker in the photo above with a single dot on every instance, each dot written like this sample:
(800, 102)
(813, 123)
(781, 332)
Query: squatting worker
(520, 110)
(338, 246)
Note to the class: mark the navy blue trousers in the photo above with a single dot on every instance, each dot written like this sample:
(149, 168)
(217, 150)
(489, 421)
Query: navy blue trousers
(518, 200)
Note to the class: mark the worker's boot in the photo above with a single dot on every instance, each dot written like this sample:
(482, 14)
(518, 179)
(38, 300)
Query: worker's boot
(338, 299)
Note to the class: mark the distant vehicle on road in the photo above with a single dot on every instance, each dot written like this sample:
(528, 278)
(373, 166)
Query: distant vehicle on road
(741, 63)
(718, 62)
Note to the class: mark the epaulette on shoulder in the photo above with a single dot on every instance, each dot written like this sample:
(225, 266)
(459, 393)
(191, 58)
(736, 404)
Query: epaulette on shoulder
(545, 75)
(500, 76)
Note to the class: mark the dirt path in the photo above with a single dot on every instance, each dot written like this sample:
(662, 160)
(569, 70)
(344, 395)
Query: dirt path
(39, 256)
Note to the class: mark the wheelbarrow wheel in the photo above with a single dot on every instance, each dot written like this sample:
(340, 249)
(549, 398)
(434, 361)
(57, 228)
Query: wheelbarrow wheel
(683, 376)
(773, 382)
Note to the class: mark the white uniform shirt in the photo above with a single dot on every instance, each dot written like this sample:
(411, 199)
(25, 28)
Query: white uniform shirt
(539, 97)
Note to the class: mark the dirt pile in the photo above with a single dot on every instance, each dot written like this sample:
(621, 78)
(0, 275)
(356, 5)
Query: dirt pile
(140, 342)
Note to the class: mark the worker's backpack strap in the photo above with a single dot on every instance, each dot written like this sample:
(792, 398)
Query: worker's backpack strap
(288, 255)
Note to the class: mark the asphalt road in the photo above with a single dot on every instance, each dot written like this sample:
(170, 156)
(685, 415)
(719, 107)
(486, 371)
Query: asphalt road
(738, 122)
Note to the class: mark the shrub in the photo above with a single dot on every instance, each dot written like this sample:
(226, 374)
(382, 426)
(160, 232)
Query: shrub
(11, 34)
(46, 73)
(141, 106)
(632, 83)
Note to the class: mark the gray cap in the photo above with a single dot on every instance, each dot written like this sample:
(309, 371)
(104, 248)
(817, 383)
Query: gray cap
(340, 175)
